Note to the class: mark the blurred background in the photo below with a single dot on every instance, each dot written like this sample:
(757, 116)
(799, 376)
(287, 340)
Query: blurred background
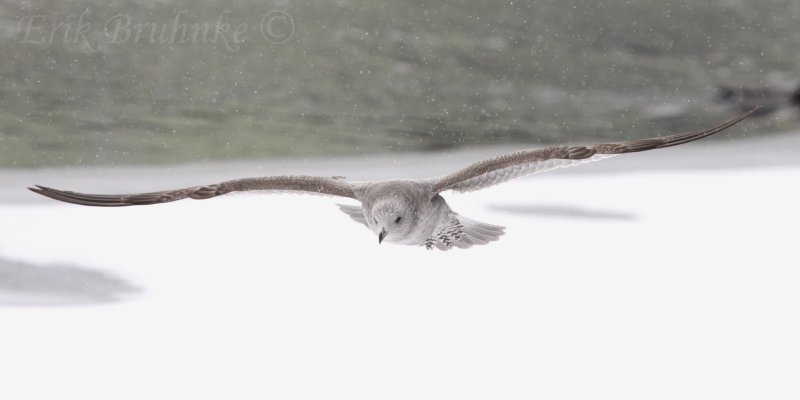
(129, 82)
(672, 272)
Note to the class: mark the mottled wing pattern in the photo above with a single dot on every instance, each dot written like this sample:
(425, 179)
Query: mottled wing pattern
(509, 166)
(459, 231)
(507, 173)
(301, 184)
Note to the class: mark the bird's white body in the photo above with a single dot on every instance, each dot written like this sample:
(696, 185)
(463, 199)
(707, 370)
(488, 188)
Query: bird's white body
(412, 213)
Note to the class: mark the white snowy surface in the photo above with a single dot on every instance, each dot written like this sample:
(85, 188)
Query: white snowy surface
(625, 285)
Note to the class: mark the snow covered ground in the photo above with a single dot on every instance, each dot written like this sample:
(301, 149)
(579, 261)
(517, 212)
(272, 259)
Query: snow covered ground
(623, 283)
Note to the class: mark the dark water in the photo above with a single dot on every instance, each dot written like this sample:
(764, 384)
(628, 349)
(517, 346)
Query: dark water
(86, 82)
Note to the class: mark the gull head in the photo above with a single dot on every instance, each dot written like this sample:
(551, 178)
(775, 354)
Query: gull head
(391, 219)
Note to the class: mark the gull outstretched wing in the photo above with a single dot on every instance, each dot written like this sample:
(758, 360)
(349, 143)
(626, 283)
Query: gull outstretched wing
(505, 167)
(300, 184)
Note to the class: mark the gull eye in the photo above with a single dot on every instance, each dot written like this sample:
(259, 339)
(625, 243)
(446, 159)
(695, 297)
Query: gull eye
(397, 220)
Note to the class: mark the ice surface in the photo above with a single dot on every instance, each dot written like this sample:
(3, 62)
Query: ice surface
(626, 285)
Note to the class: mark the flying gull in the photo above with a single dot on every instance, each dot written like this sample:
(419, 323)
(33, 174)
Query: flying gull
(411, 212)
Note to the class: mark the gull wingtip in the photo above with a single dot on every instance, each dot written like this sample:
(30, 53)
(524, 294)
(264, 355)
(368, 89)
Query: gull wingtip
(40, 188)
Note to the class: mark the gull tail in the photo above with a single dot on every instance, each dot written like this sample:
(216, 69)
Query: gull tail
(462, 232)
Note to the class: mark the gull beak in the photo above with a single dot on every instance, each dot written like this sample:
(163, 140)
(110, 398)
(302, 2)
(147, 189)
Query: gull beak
(381, 236)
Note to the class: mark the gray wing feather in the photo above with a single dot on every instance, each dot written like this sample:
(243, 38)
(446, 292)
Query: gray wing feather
(355, 212)
(301, 184)
(512, 165)
(501, 175)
